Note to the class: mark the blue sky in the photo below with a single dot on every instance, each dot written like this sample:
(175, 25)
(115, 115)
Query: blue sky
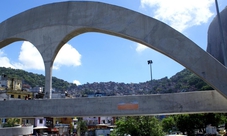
(95, 57)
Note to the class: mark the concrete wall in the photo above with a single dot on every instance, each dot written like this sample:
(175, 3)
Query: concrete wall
(15, 131)
(178, 103)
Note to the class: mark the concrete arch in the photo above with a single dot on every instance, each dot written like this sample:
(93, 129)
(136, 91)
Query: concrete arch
(9, 41)
(48, 27)
(214, 37)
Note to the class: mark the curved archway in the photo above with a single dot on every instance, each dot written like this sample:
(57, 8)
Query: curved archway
(8, 41)
(26, 54)
(68, 19)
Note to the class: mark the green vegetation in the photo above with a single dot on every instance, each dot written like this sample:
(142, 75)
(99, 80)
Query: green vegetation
(185, 79)
(138, 126)
(35, 79)
(191, 122)
(11, 122)
(168, 124)
(151, 126)
(81, 127)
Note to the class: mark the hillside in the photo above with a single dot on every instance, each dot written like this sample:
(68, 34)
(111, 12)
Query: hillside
(183, 81)
(35, 79)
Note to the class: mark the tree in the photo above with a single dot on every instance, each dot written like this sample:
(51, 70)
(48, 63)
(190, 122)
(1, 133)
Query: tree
(138, 126)
(189, 122)
(11, 122)
(168, 124)
(81, 127)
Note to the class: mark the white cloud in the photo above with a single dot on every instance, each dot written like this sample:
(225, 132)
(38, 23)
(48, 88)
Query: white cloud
(140, 47)
(67, 56)
(76, 82)
(5, 62)
(180, 14)
(30, 58)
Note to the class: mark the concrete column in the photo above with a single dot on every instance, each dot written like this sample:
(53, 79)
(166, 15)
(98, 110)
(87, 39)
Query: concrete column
(48, 79)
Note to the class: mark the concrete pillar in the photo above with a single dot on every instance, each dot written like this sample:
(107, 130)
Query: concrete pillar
(48, 79)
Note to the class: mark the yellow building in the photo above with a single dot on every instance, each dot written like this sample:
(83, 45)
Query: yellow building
(19, 94)
(13, 88)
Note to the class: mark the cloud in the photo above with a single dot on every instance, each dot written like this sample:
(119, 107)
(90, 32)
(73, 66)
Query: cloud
(140, 47)
(67, 56)
(76, 82)
(180, 14)
(5, 62)
(30, 59)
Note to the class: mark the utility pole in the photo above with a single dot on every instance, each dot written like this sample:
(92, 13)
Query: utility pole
(150, 62)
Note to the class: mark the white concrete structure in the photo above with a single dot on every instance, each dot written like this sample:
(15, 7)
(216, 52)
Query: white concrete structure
(50, 26)
(15, 131)
(157, 104)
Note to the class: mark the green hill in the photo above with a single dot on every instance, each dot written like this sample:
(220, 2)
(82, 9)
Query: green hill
(183, 81)
(35, 79)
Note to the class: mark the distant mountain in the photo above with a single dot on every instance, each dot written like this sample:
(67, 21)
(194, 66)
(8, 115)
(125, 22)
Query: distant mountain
(183, 81)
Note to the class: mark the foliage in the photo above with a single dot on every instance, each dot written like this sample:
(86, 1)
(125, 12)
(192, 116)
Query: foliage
(189, 122)
(220, 118)
(186, 78)
(182, 81)
(35, 79)
(11, 122)
(138, 126)
(81, 127)
(168, 124)
(185, 123)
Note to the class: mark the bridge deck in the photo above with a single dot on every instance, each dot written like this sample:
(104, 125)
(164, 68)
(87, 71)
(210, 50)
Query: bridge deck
(175, 103)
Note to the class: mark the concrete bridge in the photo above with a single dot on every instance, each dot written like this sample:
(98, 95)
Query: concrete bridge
(50, 26)
(157, 104)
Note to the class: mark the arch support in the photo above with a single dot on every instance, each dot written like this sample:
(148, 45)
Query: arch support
(48, 79)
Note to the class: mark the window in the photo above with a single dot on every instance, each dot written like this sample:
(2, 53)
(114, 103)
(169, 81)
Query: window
(19, 96)
(12, 96)
(4, 120)
(40, 121)
(27, 121)
(49, 123)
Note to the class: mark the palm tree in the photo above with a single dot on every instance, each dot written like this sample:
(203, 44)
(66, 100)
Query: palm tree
(81, 127)
(11, 122)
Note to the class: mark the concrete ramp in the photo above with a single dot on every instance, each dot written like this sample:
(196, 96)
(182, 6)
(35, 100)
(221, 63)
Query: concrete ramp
(174, 103)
